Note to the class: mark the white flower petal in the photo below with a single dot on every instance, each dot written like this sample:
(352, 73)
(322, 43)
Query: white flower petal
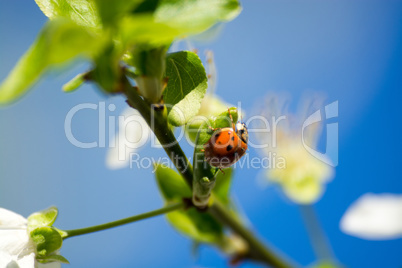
(16, 248)
(301, 174)
(11, 219)
(5, 258)
(133, 134)
(27, 261)
(374, 217)
(15, 242)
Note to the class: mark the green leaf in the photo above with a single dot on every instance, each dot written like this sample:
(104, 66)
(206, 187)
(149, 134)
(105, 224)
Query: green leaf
(63, 234)
(83, 12)
(142, 29)
(197, 225)
(108, 72)
(58, 43)
(148, 6)
(74, 83)
(111, 12)
(53, 258)
(149, 65)
(222, 186)
(194, 16)
(45, 217)
(186, 86)
(210, 106)
(47, 240)
(158, 23)
(171, 184)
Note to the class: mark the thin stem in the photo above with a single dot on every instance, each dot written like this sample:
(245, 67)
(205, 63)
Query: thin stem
(319, 240)
(258, 250)
(158, 123)
(156, 120)
(96, 228)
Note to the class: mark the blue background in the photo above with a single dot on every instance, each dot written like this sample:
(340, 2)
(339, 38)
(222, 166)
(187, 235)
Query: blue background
(349, 50)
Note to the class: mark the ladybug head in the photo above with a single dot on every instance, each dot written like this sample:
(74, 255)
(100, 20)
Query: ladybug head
(242, 132)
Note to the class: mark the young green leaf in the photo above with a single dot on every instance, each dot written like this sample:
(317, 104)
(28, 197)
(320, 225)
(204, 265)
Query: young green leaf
(111, 12)
(149, 65)
(59, 42)
(194, 16)
(210, 106)
(142, 29)
(83, 13)
(186, 86)
(52, 258)
(197, 225)
(222, 186)
(47, 240)
(108, 72)
(45, 217)
(74, 83)
(171, 185)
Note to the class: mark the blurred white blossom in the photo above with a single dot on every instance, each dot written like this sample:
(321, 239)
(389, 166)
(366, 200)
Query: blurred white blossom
(16, 247)
(374, 217)
(133, 133)
(301, 176)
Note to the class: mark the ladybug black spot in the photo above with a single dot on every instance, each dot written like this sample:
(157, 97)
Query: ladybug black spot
(229, 147)
(217, 135)
(233, 138)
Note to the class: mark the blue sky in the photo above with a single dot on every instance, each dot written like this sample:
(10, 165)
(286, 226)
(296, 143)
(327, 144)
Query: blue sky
(349, 51)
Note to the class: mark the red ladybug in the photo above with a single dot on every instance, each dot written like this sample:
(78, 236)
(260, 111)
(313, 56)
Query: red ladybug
(226, 145)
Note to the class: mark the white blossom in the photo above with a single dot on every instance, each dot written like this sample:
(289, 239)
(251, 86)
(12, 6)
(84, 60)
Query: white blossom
(374, 217)
(301, 175)
(133, 133)
(16, 247)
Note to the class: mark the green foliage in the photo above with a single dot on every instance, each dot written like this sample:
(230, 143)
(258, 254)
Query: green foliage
(52, 258)
(105, 31)
(197, 225)
(74, 83)
(45, 217)
(159, 22)
(149, 67)
(193, 16)
(47, 240)
(111, 12)
(222, 186)
(171, 185)
(83, 13)
(107, 72)
(144, 30)
(186, 86)
(59, 42)
(210, 106)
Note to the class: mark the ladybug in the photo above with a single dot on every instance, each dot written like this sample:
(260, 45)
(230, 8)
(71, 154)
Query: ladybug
(226, 145)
